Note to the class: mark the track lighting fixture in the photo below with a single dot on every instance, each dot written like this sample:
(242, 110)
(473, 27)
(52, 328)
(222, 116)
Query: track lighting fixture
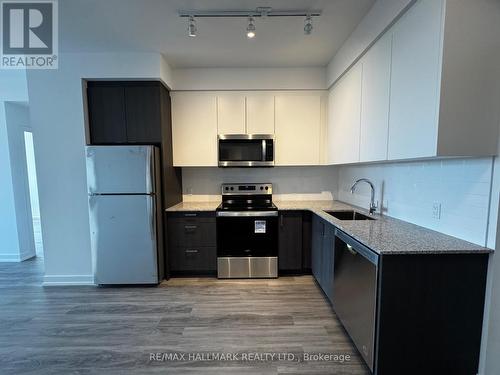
(192, 27)
(262, 12)
(251, 28)
(308, 26)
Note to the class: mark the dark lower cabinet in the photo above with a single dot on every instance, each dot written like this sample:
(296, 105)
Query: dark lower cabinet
(191, 243)
(290, 242)
(430, 313)
(429, 307)
(327, 259)
(306, 241)
(318, 232)
(322, 254)
(193, 259)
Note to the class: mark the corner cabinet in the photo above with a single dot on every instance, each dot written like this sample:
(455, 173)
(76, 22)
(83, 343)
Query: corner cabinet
(344, 118)
(423, 91)
(290, 242)
(323, 255)
(375, 83)
(194, 129)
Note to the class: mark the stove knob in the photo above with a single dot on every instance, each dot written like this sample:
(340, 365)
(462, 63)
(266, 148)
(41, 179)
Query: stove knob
(227, 188)
(267, 188)
(232, 188)
(261, 188)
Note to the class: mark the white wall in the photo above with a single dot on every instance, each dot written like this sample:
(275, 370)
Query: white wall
(18, 122)
(249, 79)
(57, 116)
(201, 184)
(12, 89)
(382, 14)
(409, 190)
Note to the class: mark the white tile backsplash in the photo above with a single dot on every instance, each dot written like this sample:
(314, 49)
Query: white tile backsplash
(289, 183)
(405, 190)
(408, 191)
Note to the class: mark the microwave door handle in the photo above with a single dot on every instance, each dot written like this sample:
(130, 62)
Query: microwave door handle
(264, 146)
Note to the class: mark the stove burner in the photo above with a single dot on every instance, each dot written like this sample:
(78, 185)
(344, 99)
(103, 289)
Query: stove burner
(247, 197)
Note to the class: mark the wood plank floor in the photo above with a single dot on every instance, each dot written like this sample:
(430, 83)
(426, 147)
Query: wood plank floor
(95, 330)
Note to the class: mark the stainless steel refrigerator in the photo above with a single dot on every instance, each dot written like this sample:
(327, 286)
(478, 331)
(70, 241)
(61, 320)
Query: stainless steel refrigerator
(125, 218)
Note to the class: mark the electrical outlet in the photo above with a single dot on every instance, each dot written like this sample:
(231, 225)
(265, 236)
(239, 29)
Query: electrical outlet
(436, 210)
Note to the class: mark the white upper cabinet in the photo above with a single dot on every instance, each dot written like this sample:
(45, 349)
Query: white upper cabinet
(297, 119)
(260, 113)
(415, 81)
(245, 112)
(344, 113)
(420, 90)
(375, 101)
(231, 113)
(194, 128)
(440, 104)
(298, 128)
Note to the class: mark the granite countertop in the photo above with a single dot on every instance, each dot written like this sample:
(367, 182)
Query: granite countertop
(385, 235)
(194, 206)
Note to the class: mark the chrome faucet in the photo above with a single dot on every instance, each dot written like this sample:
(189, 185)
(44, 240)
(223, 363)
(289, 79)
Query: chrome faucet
(373, 206)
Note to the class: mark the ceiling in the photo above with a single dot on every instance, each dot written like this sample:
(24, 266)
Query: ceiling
(154, 26)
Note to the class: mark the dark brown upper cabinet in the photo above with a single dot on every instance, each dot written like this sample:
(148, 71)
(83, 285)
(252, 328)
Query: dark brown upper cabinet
(124, 112)
(106, 106)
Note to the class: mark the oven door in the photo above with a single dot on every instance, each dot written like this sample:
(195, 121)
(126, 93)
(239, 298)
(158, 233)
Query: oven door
(247, 246)
(246, 150)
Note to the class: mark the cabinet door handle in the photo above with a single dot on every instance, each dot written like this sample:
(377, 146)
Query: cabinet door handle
(190, 228)
(281, 221)
(190, 215)
(191, 251)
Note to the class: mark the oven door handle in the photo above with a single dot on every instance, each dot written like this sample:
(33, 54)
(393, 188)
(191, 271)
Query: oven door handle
(246, 213)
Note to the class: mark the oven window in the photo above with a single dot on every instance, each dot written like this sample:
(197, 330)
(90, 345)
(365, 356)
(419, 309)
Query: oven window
(240, 150)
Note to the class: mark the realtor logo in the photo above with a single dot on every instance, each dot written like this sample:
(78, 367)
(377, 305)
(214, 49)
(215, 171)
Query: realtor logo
(29, 34)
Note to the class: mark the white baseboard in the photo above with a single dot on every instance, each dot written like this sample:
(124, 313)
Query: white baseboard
(16, 257)
(66, 280)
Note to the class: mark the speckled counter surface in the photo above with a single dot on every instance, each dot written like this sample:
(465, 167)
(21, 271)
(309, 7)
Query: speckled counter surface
(193, 206)
(384, 235)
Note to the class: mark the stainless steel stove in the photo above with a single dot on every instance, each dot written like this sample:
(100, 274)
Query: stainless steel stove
(247, 232)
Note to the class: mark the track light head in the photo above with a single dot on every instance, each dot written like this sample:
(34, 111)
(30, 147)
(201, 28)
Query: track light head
(308, 26)
(251, 28)
(192, 27)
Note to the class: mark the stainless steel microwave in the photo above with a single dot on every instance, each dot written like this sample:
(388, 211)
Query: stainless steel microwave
(246, 150)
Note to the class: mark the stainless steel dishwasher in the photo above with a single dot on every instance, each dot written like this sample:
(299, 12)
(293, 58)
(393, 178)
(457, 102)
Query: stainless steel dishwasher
(355, 292)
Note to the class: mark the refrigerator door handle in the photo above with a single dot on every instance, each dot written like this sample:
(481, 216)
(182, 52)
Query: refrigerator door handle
(152, 216)
(150, 171)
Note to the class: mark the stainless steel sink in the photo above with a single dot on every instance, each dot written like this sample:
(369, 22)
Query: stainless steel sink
(349, 215)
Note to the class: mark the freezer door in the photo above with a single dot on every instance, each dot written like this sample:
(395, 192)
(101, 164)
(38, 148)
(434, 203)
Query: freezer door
(121, 169)
(123, 238)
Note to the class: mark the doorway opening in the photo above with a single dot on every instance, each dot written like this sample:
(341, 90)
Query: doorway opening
(33, 192)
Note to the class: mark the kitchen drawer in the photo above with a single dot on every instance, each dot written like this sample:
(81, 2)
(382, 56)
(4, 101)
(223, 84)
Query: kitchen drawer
(201, 259)
(190, 216)
(191, 233)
